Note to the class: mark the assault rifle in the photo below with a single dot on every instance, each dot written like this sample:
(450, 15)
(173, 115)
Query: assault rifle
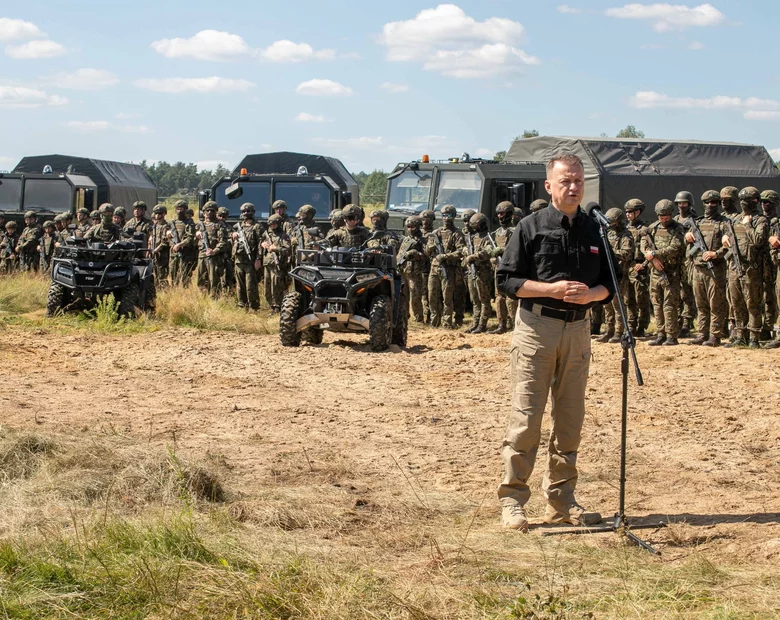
(470, 244)
(440, 251)
(734, 248)
(661, 272)
(699, 244)
(204, 238)
(175, 233)
(242, 238)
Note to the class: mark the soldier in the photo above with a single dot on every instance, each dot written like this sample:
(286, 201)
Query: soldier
(279, 207)
(464, 286)
(82, 222)
(184, 248)
(212, 245)
(411, 258)
(638, 305)
(336, 222)
(774, 251)
(246, 257)
(105, 231)
(139, 223)
(228, 272)
(517, 215)
(751, 232)
(444, 246)
(427, 218)
(622, 242)
(94, 219)
(61, 228)
(8, 255)
(666, 236)
(27, 246)
(354, 234)
(482, 271)
(307, 233)
(505, 307)
(728, 199)
(159, 243)
(709, 273)
(119, 217)
(769, 202)
(538, 205)
(46, 245)
(685, 210)
(383, 236)
(277, 249)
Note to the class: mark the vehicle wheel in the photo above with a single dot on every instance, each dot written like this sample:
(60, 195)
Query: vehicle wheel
(130, 300)
(56, 299)
(314, 335)
(379, 323)
(288, 317)
(401, 323)
(150, 301)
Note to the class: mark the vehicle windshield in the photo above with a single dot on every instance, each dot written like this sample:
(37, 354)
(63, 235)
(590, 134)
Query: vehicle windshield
(410, 192)
(10, 194)
(297, 194)
(461, 189)
(47, 195)
(259, 194)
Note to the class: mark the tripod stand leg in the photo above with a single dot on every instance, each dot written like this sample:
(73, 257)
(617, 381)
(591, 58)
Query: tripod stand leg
(639, 542)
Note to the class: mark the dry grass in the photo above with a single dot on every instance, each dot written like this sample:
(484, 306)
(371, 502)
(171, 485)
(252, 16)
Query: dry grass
(21, 293)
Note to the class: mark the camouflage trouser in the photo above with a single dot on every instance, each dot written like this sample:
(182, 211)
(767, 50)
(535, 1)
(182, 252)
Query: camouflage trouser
(459, 296)
(247, 293)
(160, 274)
(506, 308)
(441, 297)
(612, 319)
(276, 284)
(210, 270)
(666, 301)
(711, 300)
(30, 262)
(414, 293)
(479, 291)
(597, 315)
(687, 298)
(10, 265)
(746, 299)
(181, 269)
(638, 306)
(228, 276)
(769, 298)
(425, 308)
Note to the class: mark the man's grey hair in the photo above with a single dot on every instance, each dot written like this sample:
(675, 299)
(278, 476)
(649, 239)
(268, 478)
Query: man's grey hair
(565, 157)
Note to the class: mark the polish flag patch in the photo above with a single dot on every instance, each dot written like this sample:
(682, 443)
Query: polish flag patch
(594, 249)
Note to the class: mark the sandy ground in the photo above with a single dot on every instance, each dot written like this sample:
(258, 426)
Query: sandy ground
(703, 443)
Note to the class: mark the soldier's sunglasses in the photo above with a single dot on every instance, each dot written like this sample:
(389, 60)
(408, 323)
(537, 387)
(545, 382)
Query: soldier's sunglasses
(351, 218)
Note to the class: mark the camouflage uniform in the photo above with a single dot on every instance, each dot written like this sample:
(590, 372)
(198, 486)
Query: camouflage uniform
(228, 271)
(336, 222)
(769, 202)
(211, 265)
(46, 246)
(505, 307)
(247, 292)
(182, 234)
(160, 245)
(774, 253)
(82, 225)
(728, 199)
(427, 218)
(709, 286)
(622, 242)
(751, 236)
(350, 238)
(687, 298)
(465, 288)
(27, 246)
(139, 224)
(106, 231)
(302, 238)
(638, 305)
(411, 258)
(669, 251)
(8, 255)
(276, 262)
(444, 266)
(287, 223)
(479, 271)
(385, 238)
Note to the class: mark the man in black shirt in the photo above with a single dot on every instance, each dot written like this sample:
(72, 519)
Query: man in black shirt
(556, 264)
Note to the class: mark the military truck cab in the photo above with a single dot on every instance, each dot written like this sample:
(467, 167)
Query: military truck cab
(48, 194)
(466, 183)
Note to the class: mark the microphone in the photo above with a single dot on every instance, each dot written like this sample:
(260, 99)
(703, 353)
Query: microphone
(593, 209)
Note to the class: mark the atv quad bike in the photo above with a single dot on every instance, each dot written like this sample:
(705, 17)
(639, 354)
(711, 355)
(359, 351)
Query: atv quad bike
(83, 272)
(345, 290)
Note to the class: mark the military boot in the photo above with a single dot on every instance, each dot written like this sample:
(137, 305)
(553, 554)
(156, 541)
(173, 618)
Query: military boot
(713, 341)
(671, 341)
(606, 336)
(775, 344)
(737, 339)
(595, 328)
(616, 339)
(766, 334)
(501, 329)
(700, 339)
(481, 327)
(639, 332)
(660, 338)
(685, 328)
(754, 343)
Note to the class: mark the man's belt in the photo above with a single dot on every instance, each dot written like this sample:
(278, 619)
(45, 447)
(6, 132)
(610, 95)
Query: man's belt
(562, 315)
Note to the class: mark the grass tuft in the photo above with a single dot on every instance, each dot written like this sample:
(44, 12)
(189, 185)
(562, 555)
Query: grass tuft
(21, 293)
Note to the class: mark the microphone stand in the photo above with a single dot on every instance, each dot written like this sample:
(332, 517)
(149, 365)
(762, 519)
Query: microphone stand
(620, 524)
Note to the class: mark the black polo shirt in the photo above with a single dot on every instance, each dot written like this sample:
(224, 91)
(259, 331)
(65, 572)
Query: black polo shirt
(547, 247)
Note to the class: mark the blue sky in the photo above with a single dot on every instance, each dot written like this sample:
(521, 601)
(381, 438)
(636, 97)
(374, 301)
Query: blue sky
(376, 83)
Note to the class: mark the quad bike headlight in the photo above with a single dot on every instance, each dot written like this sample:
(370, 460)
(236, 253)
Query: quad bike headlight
(365, 277)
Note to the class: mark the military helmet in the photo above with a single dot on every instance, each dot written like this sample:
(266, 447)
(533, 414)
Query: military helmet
(336, 215)
(120, 211)
(160, 210)
(95, 215)
(478, 221)
(180, 204)
(748, 193)
(710, 195)
(275, 219)
(664, 207)
(634, 205)
(729, 192)
(381, 214)
(307, 212)
(538, 205)
(57, 218)
(139, 204)
(504, 207)
(106, 207)
(48, 224)
(31, 214)
(413, 221)
(279, 204)
(616, 216)
(351, 211)
(684, 197)
(83, 211)
(210, 206)
(10, 225)
(223, 211)
(448, 211)
(247, 207)
(428, 215)
(466, 215)
(770, 195)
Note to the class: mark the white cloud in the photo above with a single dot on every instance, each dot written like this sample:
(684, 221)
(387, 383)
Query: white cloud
(289, 51)
(305, 117)
(178, 85)
(92, 126)
(666, 17)
(126, 115)
(563, 8)
(696, 45)
(450, 42)
(18, 29)
(774, 154)
(762, 115)
(133, 128)
(323, 88)
(33, 50)
(395, 89)
(83, 79)
(363, 142)
(213, 45)
(211, 164)
(752, 108)
(22, 97)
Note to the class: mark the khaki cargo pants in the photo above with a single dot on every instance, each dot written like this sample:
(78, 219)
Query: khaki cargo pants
(548, 356)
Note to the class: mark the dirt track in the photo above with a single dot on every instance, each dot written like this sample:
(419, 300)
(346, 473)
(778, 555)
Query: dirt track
(704, 438)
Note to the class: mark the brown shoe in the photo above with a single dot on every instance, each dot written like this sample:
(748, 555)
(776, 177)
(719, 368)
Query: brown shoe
(714, 341)
(573, 514)
(513, 517)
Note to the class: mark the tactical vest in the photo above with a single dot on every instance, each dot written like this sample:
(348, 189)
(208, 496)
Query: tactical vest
(663, 238)
(748, 253)
(712, 231)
